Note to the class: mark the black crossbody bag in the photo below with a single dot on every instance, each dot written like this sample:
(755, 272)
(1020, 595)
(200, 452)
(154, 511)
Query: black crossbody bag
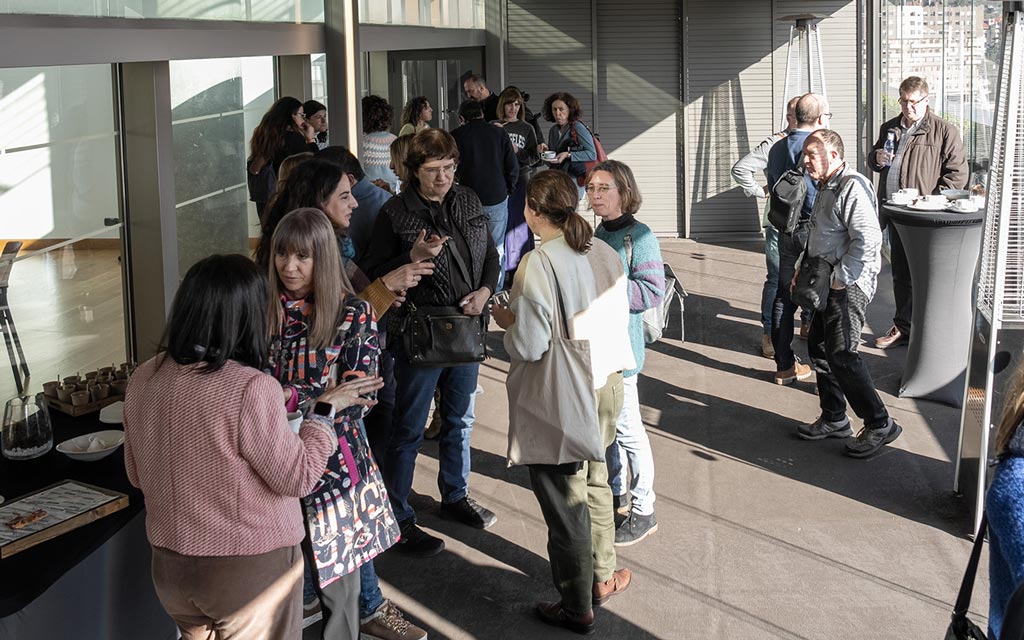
(444, 336)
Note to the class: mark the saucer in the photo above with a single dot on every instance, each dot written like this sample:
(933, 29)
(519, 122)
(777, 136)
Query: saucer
(921, 205)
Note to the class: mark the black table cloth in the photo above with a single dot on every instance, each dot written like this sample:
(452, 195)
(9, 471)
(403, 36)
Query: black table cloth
(942, 251)
(92, 582)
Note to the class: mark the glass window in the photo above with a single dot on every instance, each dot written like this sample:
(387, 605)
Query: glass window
(953, 45)
(455, 14)
(295, 11)
(215, 105)
(58, 186)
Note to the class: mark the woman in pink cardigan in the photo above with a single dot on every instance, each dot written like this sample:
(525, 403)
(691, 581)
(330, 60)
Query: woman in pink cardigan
(207, 441)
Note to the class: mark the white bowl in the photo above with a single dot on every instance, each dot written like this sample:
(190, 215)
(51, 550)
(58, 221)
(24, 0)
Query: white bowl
(104, 443)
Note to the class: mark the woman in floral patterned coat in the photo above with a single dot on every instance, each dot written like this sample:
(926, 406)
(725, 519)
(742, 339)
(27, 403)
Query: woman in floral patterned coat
(328, 335)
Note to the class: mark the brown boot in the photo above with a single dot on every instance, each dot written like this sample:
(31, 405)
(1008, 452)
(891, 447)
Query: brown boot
(615, 585)
(554, 614)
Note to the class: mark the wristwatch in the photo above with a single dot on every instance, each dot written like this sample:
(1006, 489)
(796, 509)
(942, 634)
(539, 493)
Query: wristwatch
(325, 409)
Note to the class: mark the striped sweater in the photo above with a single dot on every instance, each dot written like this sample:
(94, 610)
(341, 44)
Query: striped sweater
(646, 275)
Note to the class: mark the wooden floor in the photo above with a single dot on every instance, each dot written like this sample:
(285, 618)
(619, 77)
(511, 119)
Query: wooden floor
(68, 311)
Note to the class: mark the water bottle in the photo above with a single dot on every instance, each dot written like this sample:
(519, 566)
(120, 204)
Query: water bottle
(890, 146)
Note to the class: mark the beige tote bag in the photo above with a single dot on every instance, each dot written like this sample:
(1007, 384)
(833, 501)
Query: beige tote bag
(552, 403)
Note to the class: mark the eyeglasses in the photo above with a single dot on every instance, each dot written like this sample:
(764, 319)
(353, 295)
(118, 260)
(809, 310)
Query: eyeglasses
(600, 188)
(433, 172)
(912, 103)
(827, 115)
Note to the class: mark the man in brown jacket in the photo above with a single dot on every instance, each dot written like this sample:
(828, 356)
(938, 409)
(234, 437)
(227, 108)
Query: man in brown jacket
(928, 155)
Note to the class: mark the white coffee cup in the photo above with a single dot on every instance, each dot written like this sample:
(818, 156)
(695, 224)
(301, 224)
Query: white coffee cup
(935, 199)
(965, 205)
(979, 201)
(549, 155)
(901, 198)
(910, 194)
(295, 420)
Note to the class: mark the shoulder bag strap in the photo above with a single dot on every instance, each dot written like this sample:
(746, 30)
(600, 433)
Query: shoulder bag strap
(559, 319)
(963, 599)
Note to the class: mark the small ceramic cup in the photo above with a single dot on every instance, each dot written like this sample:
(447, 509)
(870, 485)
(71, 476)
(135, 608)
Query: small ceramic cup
(118, 387)
(64, 393)
(80, 398)
(50, 388)
(100, 392)
(72, 380)
(91, 375)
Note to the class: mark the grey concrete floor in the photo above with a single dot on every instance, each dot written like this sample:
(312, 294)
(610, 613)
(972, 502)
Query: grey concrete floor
(761, 535)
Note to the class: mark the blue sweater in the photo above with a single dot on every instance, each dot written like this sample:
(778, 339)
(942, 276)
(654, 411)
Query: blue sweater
(646, 275)
(1004, 505)
(784, 156)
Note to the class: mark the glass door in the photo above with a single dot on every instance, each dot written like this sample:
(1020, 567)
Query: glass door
(436, 74)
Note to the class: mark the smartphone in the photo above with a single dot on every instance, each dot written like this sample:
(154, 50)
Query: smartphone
(501, 298)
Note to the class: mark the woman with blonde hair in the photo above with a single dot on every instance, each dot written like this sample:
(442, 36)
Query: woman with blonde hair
(326, 335)
(1004, 508)
(590, 286)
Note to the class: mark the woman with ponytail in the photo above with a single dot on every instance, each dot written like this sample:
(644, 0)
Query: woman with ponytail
(574, 498)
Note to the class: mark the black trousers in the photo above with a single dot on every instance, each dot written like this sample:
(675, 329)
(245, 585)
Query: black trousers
(841, 374)
(902, 289)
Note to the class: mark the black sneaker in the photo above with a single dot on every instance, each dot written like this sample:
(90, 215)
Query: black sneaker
(468, 512)
(868, 441)
(821, 429)
(417, 543)
(634, 529)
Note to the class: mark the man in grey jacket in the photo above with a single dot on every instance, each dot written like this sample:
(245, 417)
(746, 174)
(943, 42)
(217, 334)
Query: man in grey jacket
(745, 172)
(845, 232)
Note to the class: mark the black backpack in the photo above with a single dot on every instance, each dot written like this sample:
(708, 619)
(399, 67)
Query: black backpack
(787, 199)
(262, 184)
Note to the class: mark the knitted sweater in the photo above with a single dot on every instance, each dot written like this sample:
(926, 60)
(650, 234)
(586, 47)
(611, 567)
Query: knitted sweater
(215, 459)
(646, 279)
(376, 159)
(1004, 505)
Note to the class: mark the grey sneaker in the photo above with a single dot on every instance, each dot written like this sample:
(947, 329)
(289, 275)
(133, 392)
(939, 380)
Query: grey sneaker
(388, 623)
(821, 429)
(869, 441)
(634, 529)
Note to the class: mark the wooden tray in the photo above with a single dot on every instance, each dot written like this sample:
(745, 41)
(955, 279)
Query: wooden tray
(72, 504)
(73, 411)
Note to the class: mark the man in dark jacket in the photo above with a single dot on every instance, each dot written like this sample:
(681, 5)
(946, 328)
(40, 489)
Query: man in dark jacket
(488, 166)
(928, 156)
(476, 88)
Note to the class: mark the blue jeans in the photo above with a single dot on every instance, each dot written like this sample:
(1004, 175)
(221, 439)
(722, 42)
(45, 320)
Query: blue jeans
(370, 597)
(771, 280)
(783, 309)
(413, 391)
(631, 443)
(497, 222)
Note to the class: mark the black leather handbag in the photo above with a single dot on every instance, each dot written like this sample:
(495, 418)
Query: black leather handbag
(443, 336)
(812, 283)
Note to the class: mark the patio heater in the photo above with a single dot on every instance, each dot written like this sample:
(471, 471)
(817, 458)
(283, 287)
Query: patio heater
(997, 347)
(803, 56)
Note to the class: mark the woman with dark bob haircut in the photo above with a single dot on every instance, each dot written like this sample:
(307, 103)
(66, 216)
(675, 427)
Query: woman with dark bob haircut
(416, 116)
(569, 139)
(585, 277)
(434, 219)
(208, 443)
(377, 139)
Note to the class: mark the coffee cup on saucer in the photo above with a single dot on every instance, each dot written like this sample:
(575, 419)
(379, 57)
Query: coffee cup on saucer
(549, 156)
(904, 196)
(964, 206)
(935, 199)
